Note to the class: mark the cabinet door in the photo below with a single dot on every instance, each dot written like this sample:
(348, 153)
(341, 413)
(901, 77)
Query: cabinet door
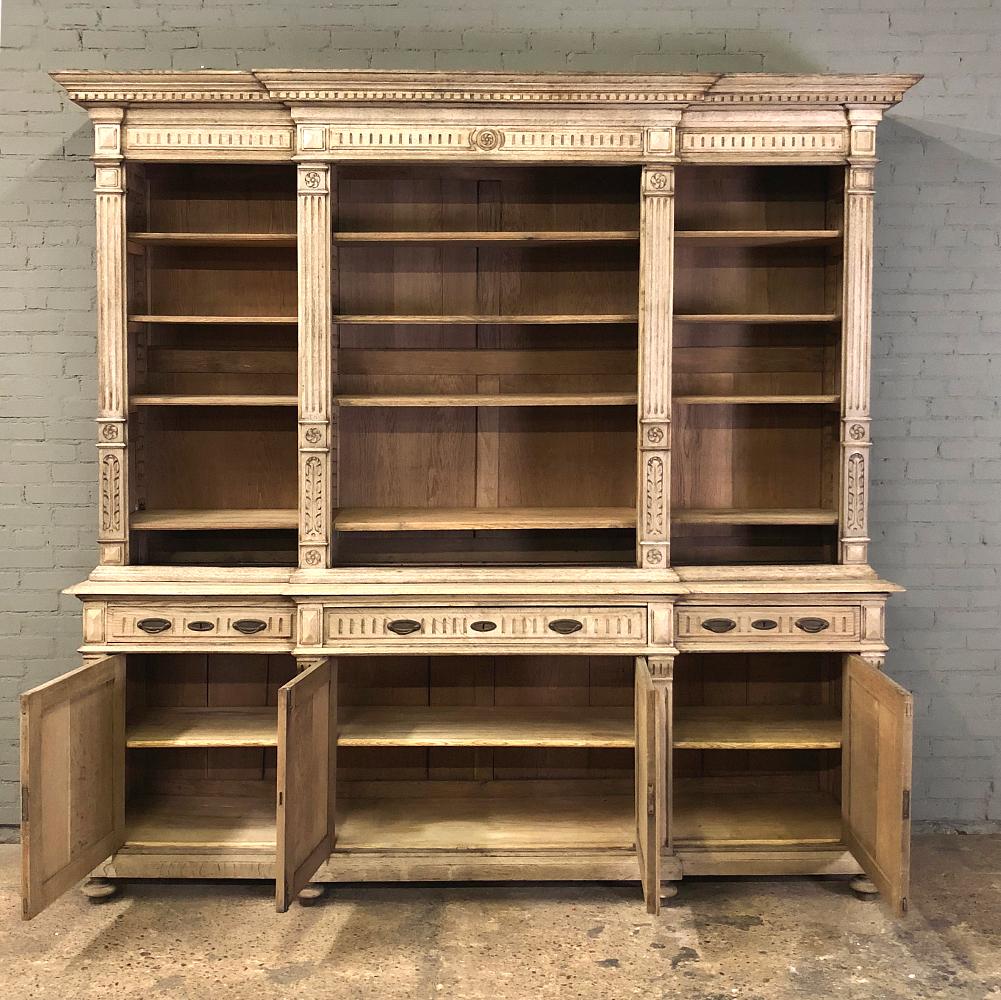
(647, 832)
(72, 779)
(876, 777)
(306, 741)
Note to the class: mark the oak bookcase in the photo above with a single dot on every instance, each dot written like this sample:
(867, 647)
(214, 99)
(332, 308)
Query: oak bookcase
(483, 473)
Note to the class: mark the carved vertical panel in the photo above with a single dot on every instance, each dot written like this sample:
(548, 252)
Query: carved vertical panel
(662, 677)
(653, 529)
(316, 494)
(112, 342)
(857, 336)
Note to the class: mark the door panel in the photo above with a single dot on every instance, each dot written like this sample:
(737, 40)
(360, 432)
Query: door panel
(876, 777)
(306, 741)
(72, 779)
(648, 845)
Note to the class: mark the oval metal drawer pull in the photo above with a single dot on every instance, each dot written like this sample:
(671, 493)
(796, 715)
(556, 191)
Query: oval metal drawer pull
(153, 625)
(249, 626)
(200, 626)
(483, 626)
(764, 624)
(812, 624)
(719, 625)
(565, 626)
(404, 626)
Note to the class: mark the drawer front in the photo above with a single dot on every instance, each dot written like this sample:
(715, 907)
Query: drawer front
(747, 626)
(566, 626)
(170, 624)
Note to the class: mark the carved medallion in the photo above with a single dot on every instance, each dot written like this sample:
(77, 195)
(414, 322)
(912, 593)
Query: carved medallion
(312, 179)
(655, 435)
(658, 181)
(109, 432)
(487, 139)
(654, 556)
(313, 435)
(312, 557)
(856, 432)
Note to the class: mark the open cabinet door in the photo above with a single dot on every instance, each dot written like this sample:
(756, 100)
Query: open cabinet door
(72, 779)
(647, 839)
(307, 739)
(876, 778)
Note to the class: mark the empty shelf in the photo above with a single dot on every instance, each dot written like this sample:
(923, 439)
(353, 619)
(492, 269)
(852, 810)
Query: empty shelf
(450, 726)
(215, 821)
(204, 727)
(756, 317)
(508, 320)
(704, 817)
(484, 819)
(492, 236)
(215, 239)
(263, 399)
(215, 320)
(495, 399)
(742, 400)
(757, 727)
(736, 515)
(214, 520)
(758, 237)
(482, 518)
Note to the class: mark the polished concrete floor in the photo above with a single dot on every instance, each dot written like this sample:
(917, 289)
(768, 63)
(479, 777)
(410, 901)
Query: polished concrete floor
(751, 939)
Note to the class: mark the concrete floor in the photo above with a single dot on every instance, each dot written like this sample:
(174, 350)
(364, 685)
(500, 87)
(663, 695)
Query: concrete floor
(752, 939)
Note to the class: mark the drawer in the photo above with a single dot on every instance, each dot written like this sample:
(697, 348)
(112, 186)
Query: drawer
(747, 626)
(172, 623)
(557, 626)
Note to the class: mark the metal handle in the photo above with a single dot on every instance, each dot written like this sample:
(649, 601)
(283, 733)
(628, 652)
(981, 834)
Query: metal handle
(153, 625)
(201, 626)
(404, 626)
(719, 625)
(483, 626)
(249, 626)
(812, 624)
(764, 624)
(565, 626)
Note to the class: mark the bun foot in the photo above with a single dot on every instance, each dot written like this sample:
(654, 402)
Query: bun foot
(99, 890)
(309, 894)
(864, 888)
(668, 891)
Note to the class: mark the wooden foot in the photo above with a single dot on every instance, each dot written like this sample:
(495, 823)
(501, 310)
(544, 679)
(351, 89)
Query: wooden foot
(668, 891)
(864, 888)
(99, 890)
(309, 894)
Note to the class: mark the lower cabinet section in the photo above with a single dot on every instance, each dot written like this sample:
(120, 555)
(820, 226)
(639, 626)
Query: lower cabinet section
(461, 767)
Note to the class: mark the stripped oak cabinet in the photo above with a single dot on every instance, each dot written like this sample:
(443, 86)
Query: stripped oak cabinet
(483, 482)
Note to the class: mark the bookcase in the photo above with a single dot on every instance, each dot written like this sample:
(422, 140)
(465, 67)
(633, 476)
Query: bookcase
(483, 483)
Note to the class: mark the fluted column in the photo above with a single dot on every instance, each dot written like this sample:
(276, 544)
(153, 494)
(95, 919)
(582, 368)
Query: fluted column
(856, 312)
(317, 441)
(112, 343)
(653, 529)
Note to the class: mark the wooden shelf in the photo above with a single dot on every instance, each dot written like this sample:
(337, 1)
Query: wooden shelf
(215, 320)
(494, 399)
(450, 726)
(215, 239)
(214, 821)
(758, 237)
(492, 815)
(151, 399)
(482, 518)
(759, 400)
(204, 727)
(769, 318)
(736, 515)
(214, 520)
(704, 817)
(492, 236)
(757, 727)
(547, 319)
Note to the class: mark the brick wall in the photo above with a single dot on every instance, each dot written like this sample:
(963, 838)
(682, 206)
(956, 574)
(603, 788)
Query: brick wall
(937, 489)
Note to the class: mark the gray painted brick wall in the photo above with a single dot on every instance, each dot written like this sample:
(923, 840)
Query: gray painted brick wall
(937, 488)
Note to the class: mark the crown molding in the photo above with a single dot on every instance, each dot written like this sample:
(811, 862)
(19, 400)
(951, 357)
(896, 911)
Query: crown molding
(384, 87)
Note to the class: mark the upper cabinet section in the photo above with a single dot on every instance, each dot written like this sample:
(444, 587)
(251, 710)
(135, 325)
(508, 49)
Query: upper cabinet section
(337, 115)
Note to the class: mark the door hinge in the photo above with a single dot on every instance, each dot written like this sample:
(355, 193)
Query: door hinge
(906, 812)
(24, 803)
(651, 799)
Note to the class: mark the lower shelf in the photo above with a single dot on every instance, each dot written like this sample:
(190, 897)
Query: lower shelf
(238, 822)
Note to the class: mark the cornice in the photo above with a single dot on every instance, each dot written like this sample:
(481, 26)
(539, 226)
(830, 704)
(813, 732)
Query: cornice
(401, 88)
